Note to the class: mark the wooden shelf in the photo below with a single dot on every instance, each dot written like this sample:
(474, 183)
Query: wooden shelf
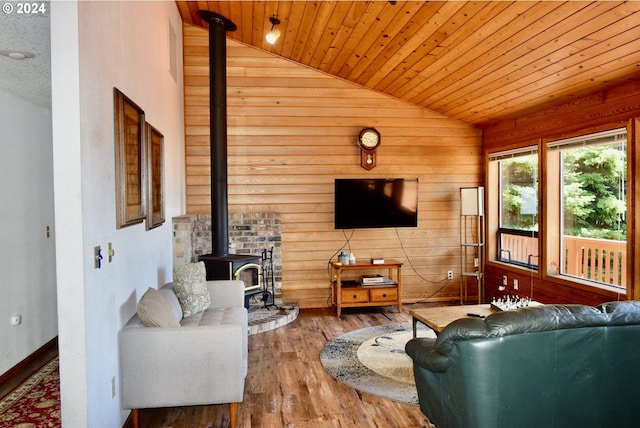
(365, 295)
(472, 241)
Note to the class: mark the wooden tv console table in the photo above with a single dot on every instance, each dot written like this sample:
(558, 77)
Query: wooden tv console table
(349, 295)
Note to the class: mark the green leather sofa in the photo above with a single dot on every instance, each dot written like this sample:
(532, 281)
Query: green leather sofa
(552, 366)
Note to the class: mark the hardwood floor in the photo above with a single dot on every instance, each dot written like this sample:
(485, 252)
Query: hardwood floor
(287, 386)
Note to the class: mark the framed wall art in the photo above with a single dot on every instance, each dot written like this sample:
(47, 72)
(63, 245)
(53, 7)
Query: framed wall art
(155, 176)
(130, 161)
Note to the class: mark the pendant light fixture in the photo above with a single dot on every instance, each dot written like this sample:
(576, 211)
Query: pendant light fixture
(273, 35)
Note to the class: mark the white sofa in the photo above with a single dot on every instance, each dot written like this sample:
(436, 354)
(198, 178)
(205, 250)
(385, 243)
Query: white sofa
(201, 361)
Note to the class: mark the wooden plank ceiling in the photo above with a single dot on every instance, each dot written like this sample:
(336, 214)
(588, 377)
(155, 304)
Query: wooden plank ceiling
(474, 61)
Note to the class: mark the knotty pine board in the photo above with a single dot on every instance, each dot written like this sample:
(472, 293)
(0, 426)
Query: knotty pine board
(292, 131)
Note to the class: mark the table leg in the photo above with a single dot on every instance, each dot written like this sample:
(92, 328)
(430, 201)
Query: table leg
(415, 327)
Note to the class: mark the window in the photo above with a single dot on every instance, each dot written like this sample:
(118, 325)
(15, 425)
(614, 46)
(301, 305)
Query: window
(586, 185)
(513, 178)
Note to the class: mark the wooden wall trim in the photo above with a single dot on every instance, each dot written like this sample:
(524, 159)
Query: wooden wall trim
(617, 104)
(634, 201)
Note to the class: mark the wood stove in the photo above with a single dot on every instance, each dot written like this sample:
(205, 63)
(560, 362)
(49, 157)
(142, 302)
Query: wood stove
(244, 267)
(220, 264)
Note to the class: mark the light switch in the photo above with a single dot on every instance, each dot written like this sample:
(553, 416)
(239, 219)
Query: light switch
(97, 257)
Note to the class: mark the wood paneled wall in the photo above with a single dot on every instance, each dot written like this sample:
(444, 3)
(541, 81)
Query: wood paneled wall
(292, 131)
(616, 105)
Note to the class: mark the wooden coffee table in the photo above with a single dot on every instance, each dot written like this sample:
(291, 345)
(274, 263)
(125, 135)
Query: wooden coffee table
(438, 318)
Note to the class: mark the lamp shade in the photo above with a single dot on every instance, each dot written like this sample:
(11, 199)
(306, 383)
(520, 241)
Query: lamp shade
(472, 201)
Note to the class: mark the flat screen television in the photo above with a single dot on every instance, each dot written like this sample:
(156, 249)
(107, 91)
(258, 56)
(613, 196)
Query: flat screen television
(375, 203)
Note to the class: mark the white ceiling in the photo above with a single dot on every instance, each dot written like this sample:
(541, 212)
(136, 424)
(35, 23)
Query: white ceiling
(29, 78)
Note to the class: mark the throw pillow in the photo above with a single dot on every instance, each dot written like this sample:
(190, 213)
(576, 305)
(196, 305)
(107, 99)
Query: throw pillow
(154, 310)
(191, 288)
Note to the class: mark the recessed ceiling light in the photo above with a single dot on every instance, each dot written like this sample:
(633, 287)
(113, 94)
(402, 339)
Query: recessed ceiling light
(14, 54)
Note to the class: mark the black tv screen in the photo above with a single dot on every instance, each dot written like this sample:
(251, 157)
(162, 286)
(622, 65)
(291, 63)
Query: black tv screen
(376, 202)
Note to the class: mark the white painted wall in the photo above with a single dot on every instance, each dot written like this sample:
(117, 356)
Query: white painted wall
(97, 46)
(27, 256)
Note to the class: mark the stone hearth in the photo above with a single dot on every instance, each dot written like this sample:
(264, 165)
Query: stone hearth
(263, 319)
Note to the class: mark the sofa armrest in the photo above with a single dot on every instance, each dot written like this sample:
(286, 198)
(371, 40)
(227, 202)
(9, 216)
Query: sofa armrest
(226, 293)
(422, 352)
(460, 330)
(167, 367)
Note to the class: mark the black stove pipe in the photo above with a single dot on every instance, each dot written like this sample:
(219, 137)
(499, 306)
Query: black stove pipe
(218, 26)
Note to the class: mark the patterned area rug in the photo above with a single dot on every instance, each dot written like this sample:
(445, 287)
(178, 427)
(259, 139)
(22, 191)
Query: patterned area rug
(36, 402)
(373, 360)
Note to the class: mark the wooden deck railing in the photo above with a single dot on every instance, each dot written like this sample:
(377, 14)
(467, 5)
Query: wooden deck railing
(519, 249)
(600, 260)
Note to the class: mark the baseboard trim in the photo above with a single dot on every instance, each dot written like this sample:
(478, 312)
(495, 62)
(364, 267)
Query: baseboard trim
(30, 364)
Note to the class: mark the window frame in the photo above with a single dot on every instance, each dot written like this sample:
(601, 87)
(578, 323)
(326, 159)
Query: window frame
(493, 206)
(553, 220)
(512, 139)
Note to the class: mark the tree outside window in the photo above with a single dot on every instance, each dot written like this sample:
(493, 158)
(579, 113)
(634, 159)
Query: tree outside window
(590, 174)
(517, 182)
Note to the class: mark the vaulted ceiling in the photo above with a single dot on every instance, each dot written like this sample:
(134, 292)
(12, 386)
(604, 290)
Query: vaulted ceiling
(476, 61)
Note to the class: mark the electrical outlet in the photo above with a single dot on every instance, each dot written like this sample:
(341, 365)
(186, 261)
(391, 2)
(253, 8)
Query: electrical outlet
(504, 283)
(476, 262)
(515, 284)
(449, 274)
(113, 386)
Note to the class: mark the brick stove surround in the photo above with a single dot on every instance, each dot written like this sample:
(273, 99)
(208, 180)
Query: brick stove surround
(249, 233)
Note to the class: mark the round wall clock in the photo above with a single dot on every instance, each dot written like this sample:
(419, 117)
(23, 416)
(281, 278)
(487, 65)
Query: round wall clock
(368, 140)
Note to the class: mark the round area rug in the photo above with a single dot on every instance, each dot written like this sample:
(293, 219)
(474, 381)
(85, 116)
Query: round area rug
(373, 360)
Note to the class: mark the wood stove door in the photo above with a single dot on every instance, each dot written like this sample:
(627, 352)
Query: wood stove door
(251, 275)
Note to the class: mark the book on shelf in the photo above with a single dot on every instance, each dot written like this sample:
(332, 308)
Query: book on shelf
(384, 281)
(372, 279)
